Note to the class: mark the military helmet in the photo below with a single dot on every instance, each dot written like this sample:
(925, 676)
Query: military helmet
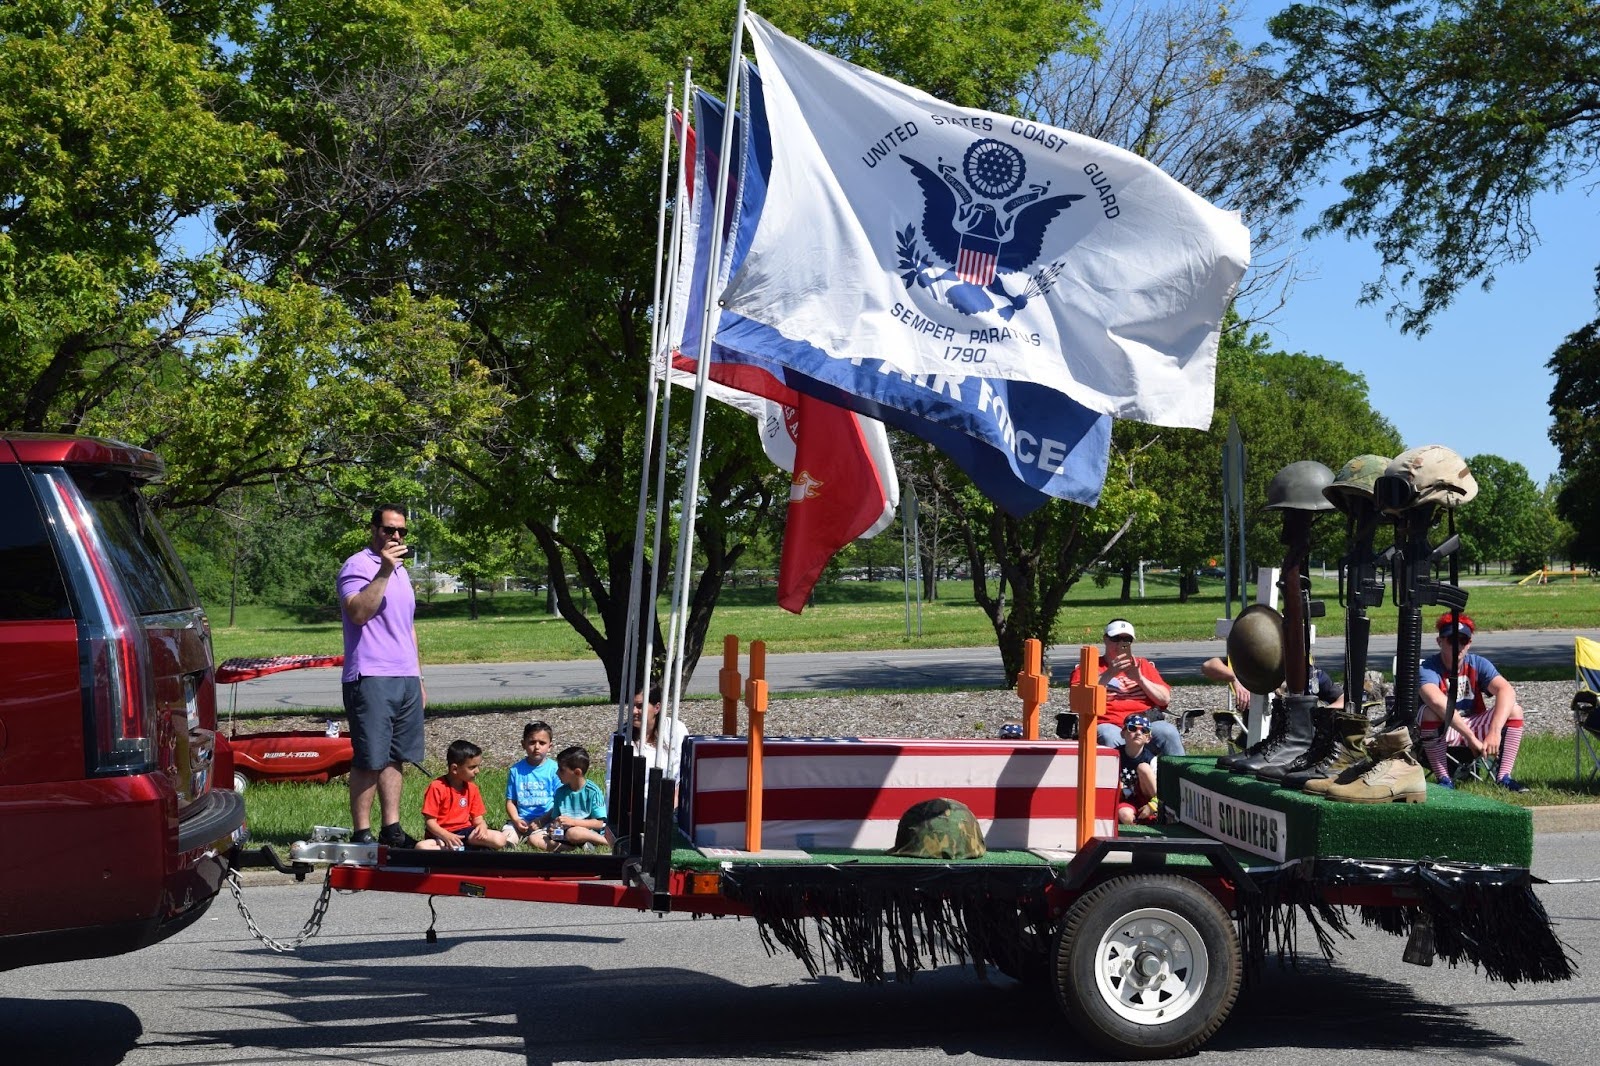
(1431, 474)
(1255, 647)
(1298, 487)
(938, 829)
(1353, 483)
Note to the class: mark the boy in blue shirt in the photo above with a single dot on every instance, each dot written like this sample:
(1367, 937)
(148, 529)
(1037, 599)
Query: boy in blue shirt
(531, 784)
(579, 814)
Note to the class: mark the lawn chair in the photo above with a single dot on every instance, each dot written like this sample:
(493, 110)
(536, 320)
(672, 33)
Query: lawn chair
(1586, 710)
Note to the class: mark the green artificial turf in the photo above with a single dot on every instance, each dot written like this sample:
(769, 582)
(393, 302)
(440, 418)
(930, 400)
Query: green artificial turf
(1451, 825)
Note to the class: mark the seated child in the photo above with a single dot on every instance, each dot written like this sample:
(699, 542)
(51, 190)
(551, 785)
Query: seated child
(531, 785)
(579, 815)
(1137, 799)
(452, 808)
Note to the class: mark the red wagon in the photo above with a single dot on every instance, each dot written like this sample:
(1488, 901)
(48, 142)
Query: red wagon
(313, 755)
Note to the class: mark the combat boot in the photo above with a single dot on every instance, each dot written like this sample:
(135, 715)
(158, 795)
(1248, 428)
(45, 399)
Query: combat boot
(1275, 730)
(1374, 749)
(1319, 750)
(1298, 731)
(1395, 778)
(1346, 751)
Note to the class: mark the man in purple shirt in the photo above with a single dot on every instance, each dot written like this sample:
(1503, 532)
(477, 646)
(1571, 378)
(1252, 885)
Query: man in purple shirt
(383, 696)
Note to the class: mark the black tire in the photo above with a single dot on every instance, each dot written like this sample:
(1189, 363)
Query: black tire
(1147, 966)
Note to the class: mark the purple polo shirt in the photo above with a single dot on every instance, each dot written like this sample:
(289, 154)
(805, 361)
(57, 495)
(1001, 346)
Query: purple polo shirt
(387, 645)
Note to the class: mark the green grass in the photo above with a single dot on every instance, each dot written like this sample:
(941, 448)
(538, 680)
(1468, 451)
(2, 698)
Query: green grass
(864, 616)
(281, 812)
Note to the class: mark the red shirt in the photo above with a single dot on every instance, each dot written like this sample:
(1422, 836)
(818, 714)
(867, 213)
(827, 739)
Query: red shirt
(1121, 698)
(455, 809)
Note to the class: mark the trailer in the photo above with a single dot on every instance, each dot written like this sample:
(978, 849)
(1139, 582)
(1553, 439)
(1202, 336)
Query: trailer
(1143, 934)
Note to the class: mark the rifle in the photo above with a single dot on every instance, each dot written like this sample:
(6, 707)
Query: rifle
(1414, 587)
(1361, 586)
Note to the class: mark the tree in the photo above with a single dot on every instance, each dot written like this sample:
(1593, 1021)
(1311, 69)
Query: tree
(1453, 115)
(1290, 406)
(508, 166)
(1172, 83)
(1506, 521)
(123, 313)
(1575, 431)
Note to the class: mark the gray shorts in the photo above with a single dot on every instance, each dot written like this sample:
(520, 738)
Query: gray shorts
(385, 716)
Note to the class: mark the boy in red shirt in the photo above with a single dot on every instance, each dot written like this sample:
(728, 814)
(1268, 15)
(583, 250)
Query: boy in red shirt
(453, 810)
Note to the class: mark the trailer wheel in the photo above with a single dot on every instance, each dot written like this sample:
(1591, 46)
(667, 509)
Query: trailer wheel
(240, 782)
(1147, 966)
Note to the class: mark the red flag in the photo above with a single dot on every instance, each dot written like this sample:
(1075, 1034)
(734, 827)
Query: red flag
(836, 494)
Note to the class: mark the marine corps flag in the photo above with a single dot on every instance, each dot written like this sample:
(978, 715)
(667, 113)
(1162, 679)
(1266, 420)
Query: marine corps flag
(940, 240)
(836, 494)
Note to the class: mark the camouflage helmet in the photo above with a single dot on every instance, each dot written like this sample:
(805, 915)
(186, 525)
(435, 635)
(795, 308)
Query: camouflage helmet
(1353, 483)
(1431, 474)
(1298, 487)
(938, 829)
(1255, 647)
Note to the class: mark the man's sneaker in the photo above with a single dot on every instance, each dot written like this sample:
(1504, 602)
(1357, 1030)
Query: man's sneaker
(363, 836)
(1511, 784)
(1445, 782)
(393, 836)
(510, 831)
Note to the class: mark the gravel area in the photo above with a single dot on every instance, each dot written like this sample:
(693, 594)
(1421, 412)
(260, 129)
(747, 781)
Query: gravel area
(1546, 705)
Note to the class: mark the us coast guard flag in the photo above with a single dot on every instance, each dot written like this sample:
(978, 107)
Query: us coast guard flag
(1021, 443)
(939, 239)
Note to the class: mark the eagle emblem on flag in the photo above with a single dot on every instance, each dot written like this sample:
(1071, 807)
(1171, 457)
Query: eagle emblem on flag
(981, 223)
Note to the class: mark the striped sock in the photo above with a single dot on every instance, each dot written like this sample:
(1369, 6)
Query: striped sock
(1433, 746)
(1510, 741)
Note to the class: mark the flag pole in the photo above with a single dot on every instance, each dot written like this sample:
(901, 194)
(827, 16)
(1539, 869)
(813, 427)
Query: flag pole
(680, 217)
(630, 639)
(691, 479)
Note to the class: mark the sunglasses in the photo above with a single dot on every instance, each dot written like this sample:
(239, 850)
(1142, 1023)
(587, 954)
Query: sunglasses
(1119, 640)
(1138, 729)
(394, 531)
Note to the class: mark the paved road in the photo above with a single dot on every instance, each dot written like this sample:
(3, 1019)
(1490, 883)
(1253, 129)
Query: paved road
(966, 668)
(545, 984)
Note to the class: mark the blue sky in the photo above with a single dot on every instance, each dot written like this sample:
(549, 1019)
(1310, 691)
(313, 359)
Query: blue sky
(1476, 381)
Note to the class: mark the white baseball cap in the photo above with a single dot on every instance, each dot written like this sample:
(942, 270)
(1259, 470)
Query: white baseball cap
(1119, 627)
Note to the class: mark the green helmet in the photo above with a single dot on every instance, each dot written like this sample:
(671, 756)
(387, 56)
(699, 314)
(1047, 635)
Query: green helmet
(1431, 474)
(1298, 487)
(1352, 485)
(938, 829)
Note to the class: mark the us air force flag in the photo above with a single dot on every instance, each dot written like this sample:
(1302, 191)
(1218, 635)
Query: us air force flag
(941, 240)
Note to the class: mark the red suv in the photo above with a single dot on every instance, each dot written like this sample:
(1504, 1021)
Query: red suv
(116, 803)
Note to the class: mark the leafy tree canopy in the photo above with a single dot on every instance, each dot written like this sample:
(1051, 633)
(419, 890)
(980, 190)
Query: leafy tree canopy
(1453, 115)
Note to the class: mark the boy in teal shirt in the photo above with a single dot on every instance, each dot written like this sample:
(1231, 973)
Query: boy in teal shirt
(579, 809)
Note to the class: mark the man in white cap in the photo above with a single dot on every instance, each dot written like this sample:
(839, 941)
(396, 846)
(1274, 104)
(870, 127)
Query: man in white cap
(1133, 686)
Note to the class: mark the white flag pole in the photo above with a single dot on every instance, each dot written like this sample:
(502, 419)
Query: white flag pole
(630, 639)
(691, 480)
(680, 218)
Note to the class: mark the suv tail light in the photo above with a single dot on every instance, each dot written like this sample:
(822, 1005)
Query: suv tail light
(119, 691)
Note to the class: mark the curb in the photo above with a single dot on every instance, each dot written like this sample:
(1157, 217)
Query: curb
(1567, 818)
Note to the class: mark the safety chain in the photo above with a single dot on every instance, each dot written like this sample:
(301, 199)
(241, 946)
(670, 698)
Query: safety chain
(313, 924)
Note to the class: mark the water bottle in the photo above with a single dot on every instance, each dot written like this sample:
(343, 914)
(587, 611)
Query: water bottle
(333, 728)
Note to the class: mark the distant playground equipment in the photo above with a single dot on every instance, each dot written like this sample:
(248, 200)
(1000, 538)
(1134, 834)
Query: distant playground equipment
(1543, 576)
(309, 755)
